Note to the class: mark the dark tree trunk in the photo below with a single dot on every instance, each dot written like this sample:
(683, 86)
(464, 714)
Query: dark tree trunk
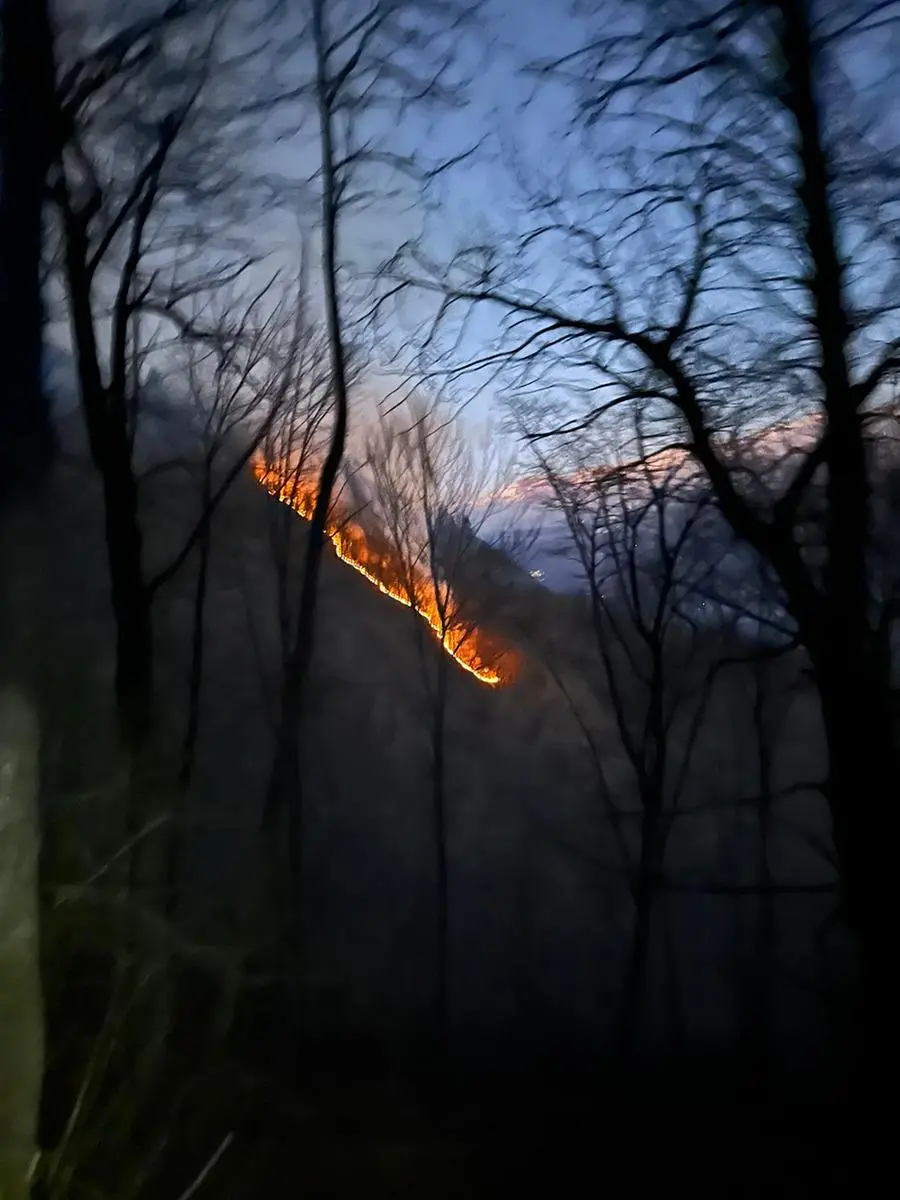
(651, 767)
(26, 128)
(131, 608)
(762, 971)
(634, 988)
(133, 672)
(442, 907)
(284, 793)
(198, 650)
(863, 762)
(175, 836)
(862, 791)
(106, 420)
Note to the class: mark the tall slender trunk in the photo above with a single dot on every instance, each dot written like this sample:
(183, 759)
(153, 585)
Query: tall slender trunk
(108, 438)
(862, 791)
(863, 761)
(130, 598)
(27, 445)
(143, 867)
(284, 794)
(26, 139)
(646, 879)
(634, 988)
(131, 607)
(148, 953)
(651, 781)
(198, 651)
(439, 807)
(762, 973)
(175, 837)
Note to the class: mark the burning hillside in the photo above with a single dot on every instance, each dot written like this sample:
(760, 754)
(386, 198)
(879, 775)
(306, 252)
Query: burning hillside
(471, 647)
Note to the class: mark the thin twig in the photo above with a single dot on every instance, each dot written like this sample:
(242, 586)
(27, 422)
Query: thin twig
(198, 1182)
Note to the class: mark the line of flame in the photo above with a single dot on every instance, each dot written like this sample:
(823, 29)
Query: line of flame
(343, 537)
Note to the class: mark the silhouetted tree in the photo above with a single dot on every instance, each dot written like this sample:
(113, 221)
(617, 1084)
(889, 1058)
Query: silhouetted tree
(632, 526)
(432, 493)
(108, 197)
(765, 150)
(238, 380)
(369, 62)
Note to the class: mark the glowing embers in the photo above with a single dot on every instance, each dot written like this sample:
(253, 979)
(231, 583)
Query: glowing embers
(468, 645)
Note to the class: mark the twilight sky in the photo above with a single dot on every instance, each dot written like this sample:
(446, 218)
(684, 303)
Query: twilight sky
(481, 196)
(518, 31)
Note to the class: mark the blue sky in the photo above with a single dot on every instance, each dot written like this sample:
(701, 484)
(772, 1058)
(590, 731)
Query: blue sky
(481, 195)
(517, 31)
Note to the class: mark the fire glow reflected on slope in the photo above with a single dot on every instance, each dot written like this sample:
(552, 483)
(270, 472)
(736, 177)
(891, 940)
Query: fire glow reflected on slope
(469, 646)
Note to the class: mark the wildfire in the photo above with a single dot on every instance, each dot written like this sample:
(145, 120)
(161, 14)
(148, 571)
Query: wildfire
(469, 646)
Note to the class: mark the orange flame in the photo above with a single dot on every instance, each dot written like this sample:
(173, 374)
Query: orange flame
(469, 646)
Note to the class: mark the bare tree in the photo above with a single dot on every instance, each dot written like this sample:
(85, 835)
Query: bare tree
(238, 379)
(632, 525)
(147, 196)
(666, 605)
(118, 178)
(287, 464)
(684, 298)
(285, 784)
(369, 63)
(148, 199)
(432, 495)
(762, 971)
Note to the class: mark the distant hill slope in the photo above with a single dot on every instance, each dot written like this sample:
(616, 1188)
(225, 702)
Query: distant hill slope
(540, 915)
(366, 761)
(765, 460)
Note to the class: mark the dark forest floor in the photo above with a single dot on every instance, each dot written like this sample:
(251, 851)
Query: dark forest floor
(432, 1137)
